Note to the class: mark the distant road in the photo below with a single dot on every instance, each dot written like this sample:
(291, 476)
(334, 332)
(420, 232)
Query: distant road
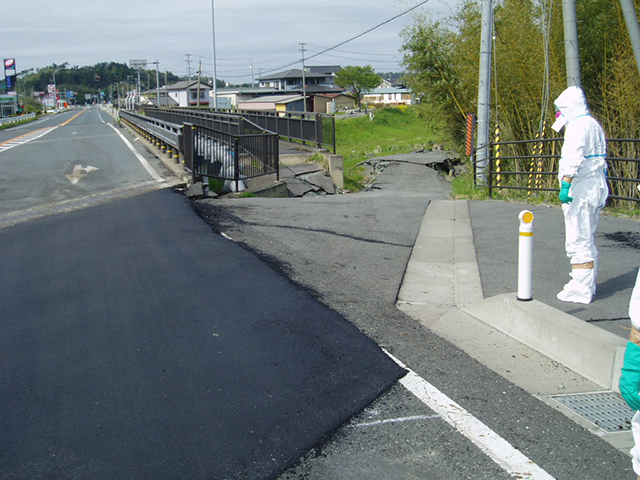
(65, 160)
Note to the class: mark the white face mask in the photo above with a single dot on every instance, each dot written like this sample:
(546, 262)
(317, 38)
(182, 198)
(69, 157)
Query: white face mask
(560, 122)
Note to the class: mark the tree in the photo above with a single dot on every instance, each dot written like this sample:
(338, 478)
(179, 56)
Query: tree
(358, 81)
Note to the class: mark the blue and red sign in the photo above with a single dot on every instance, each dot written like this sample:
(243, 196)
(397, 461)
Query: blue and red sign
(10, 73)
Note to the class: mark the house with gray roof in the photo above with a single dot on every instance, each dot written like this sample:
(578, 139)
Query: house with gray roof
(293, 79)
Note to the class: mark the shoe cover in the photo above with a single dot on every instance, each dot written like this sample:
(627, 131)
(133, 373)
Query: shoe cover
(581, 287)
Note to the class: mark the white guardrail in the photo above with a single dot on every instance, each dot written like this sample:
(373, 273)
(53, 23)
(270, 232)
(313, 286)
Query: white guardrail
(4, 121)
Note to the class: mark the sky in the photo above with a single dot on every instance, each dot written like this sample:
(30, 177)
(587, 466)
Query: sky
(253, 38)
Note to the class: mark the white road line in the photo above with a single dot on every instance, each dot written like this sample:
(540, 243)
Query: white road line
(413, 418)
(25, 138)
(514, 462)
(142, 160)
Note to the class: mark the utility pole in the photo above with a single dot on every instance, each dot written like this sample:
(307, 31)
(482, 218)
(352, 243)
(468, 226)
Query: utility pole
(157, 64)
(198, 87)
(632, 26)
(215, 82)
(571, 52)
(304, 81)
(484, 93)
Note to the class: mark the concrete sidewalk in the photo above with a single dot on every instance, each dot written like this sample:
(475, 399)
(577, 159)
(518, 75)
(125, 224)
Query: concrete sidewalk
(460, 283)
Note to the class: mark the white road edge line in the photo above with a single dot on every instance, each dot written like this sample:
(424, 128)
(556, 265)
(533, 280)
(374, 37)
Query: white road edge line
(142, 160)
(27, 138)
(413, 418)
(514, 462)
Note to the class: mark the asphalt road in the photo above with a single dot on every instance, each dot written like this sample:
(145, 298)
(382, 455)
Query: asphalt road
(136, 343)
(69, 160)
(116, 308)
(351, 252)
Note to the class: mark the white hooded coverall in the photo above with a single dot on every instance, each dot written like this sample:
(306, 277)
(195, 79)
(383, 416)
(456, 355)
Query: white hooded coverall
(583, 164)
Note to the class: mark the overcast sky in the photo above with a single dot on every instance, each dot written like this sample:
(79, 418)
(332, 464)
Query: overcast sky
(256, 36)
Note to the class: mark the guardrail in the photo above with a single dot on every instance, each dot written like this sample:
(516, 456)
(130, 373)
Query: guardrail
(229, 158)
(308, 127)
(532, 166)
(207, 152)
(317, 128)
(21, 118)
(165, 135)
(222, 122)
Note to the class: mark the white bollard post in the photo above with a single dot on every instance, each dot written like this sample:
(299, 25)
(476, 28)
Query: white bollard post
(525, 256)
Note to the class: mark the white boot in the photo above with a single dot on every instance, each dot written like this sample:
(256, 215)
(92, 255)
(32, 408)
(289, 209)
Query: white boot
(581, 287)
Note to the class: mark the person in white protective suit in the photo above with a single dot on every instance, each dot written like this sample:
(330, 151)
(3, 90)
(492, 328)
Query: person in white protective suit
(583, 190)
(630, 378)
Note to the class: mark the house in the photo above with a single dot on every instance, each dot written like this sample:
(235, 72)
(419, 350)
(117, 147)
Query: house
(388, 97)
(332, 102)
(235, 96)
(279, 103)
(160, 99)
(293, 79)
(189, 93)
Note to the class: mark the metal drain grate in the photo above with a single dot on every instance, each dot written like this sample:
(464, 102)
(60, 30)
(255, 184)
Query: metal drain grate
(607, 410)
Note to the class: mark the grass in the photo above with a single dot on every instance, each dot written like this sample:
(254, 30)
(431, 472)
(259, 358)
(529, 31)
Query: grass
(4, 126)
(386, 131)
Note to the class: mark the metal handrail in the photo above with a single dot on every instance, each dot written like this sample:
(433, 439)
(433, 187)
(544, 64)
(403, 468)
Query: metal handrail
(498, 178)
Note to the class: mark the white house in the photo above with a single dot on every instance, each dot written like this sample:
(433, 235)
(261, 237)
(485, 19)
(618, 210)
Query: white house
(388, 97)
(189, 93)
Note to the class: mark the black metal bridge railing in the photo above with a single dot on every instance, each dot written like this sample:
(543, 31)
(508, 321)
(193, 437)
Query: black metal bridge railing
(231, 159)
(228, 156)
(307, 127)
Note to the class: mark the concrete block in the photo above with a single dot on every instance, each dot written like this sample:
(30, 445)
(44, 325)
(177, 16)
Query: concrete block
(586, 349)
(336, 170)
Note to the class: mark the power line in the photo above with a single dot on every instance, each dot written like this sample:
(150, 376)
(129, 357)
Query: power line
(370, 30)
(352, 38)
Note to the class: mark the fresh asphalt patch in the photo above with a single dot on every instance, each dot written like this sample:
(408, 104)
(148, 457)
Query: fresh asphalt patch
(136, 343)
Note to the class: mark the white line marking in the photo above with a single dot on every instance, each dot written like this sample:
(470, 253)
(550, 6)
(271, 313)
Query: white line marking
(224, 235)
(26, 138)
(142, 160)
(498, 449)
(396, 420)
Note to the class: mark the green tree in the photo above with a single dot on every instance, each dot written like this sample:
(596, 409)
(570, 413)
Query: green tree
(358, 81)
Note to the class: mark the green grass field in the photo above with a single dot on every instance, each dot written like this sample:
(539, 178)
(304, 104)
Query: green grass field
(386, 131)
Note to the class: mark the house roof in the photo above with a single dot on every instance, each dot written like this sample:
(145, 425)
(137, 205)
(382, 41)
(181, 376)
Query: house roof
(275, 99)
(380, 91)
(293, 73)
(247, 90)
(183, 85)
(325, 69)
(317, 89)
(332, 95)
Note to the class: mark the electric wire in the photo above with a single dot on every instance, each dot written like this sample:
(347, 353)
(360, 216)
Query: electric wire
(350, 39)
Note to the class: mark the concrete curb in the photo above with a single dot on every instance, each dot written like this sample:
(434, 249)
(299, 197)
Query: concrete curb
(586, 349)
(443, 276)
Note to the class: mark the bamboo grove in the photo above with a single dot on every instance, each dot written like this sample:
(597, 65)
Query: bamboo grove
(441, 60)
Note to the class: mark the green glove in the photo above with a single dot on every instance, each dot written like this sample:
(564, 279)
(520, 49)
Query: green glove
(630, 379)
(564, 192)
